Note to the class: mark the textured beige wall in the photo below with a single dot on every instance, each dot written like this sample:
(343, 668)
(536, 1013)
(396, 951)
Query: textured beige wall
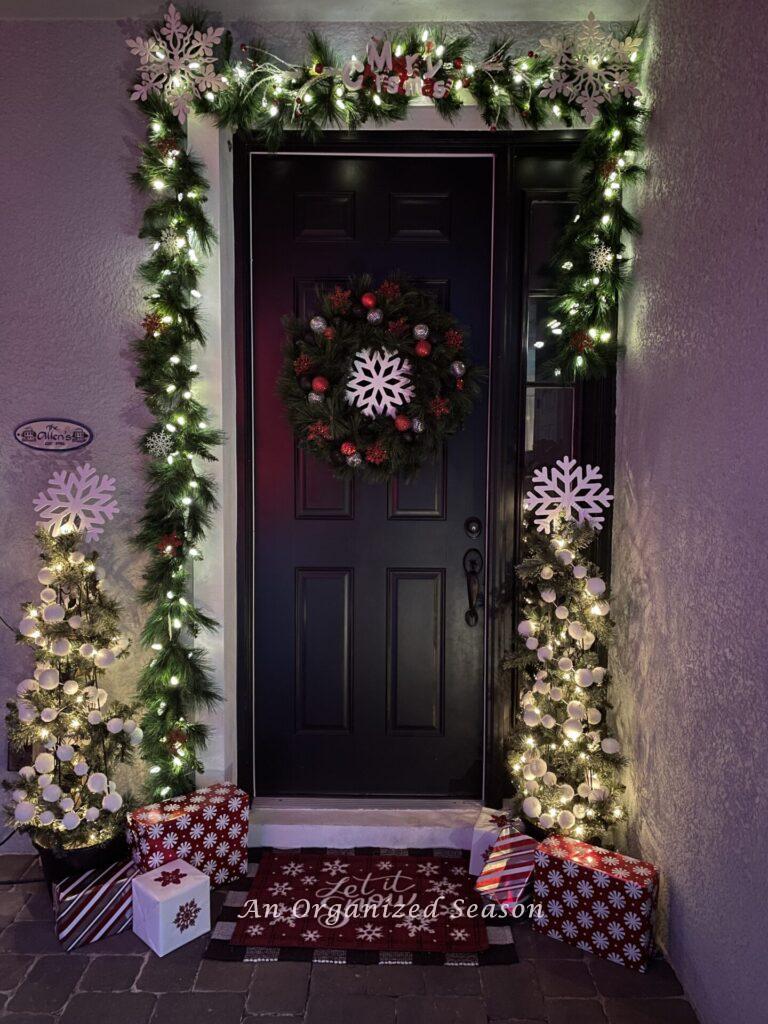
(691, 527)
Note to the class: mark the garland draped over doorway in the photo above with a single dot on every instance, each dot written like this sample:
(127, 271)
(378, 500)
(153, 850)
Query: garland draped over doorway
(588, 77)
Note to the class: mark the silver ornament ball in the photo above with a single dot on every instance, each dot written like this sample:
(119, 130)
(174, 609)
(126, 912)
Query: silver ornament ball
(314, 399)
(420, 331)
(375, 316)
(318, 324)
(417, 425)
(354, 460)
(458, 369)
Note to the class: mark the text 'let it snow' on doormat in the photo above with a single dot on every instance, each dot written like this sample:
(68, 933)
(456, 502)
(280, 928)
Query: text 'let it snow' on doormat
(361, 906)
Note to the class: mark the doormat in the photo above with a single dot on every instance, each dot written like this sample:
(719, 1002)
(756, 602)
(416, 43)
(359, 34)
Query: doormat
(360, 906)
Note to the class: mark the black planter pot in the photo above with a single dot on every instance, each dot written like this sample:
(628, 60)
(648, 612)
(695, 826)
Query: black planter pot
(60, 864)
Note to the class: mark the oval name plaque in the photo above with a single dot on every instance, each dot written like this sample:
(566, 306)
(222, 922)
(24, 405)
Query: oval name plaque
(53, 435)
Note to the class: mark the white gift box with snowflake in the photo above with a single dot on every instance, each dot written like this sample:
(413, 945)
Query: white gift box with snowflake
(171, 906)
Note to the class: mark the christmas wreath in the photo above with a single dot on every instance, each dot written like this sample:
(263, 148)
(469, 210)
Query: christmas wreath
(377, 379)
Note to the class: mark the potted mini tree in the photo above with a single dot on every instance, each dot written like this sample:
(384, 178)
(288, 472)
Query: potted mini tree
(66, 797)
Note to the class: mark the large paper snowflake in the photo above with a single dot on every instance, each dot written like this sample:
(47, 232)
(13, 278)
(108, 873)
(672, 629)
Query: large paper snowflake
(590, 67)
(570, 489)
(380, 382)
(177, 60)
(77, 500)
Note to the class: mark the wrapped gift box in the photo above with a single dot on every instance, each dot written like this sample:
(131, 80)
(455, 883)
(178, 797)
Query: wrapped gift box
(93, 905)
(600, 901)
(207, 828)
(487, 827)
(171, 906)
(508, 869)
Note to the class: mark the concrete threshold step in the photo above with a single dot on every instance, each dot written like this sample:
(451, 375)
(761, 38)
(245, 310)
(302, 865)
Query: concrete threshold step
(291, 822)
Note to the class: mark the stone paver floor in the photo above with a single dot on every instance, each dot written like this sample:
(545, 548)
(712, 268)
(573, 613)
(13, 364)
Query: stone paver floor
(121, 982)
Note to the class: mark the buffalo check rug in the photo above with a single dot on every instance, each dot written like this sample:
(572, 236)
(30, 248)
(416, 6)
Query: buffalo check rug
(360, 906)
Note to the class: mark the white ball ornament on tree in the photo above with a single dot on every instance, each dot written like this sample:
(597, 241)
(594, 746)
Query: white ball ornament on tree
(48, 595)
(46, 818)
(566, 792)
(541, 686)
(579, 571)
(584, 789)
(27, 772)
(70, 687)
(579, 810)
(65, 752)
(546, 821)
(562, 612)
(75, 621)
(45, 763)
(547, 572)
(556, 693)
(576, 709)
(104, 658)
(97, 783)
(115, 725)
(531, 807)
(526, 627)
(49, 714)
(572, 728)
(594, 716)
(531, 717)
(588, 640)
(129, 726)
(94, 718)
(564, 664)
(24, 811)
(27, 713)
(49, 679)
(112, 802)
(80, 768)
(27, 686)
(44, 780)
(549, 596)
(532, 643)
(566, 820)
(70, 820)
(595, 586)
(576, 630)
(76, 557)
(29, 626)
(565, 556)
(87, 650)
(538, 766)
(610, 745)
(46, 576)
(66, 803)
(544, 653)
(92, 813)
(51, 793)
(61, 647)
(53, 613)
(136, 736)
(584, 677)
(548, 721)
(598, 674)
(549, 779)
(531, 786)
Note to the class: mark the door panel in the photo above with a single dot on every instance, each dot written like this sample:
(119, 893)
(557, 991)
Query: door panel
(367, 678)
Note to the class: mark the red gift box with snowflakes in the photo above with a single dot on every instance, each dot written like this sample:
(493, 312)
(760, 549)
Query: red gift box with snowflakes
(600, 901)
(207, 828)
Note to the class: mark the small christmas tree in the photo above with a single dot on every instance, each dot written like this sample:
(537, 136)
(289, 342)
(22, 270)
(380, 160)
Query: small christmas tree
(563, 761)
(67, 798)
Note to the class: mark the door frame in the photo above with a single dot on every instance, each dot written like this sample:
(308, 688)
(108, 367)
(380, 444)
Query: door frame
(506, 384)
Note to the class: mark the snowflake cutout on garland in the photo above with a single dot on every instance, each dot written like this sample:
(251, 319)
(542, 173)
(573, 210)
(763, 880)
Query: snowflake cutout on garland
(569, 489)
(177, 60)
(591, 67)
(159, 445)
(77, 500)
(379, 383)
(601, 259)
(186, 915)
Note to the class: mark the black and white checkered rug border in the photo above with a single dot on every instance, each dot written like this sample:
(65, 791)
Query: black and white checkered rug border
(501, 946)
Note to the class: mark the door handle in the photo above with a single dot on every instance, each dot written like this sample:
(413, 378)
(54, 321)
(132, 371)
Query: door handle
(473, 566)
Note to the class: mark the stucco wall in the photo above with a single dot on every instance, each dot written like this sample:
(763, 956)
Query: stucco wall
(689, 567)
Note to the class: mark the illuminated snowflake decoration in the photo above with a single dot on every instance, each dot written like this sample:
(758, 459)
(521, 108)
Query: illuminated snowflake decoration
(177, 61)
(591, 67)
(570, 490)
(601, 259)
(77, 500)
(380, 382)
(159, 445)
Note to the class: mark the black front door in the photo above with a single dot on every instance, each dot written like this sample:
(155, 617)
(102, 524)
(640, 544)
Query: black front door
(367, 678)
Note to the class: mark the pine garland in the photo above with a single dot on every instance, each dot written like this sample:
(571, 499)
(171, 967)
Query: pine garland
(176, 684)
(324, 349)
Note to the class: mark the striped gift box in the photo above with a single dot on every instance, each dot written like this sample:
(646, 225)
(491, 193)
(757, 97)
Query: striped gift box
(93, 905)
(508, 869)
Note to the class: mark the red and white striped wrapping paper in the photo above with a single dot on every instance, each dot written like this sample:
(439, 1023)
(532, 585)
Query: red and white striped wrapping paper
(93, 905)
(508, 869)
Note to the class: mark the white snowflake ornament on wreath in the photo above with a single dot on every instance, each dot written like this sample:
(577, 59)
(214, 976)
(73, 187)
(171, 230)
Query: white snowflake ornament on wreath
(177, 60)
(380, 382)
(601, 259)
(77, 500)
(568, 489)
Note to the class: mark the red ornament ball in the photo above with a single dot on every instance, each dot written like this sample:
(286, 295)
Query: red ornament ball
(320, 385)
(458, 63)
(319, 68)
(329, 333)
(423, 348)
(348, 448)
(368, 300)
(403, 423)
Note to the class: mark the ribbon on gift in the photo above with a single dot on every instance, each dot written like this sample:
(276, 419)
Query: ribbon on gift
(508, 869)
